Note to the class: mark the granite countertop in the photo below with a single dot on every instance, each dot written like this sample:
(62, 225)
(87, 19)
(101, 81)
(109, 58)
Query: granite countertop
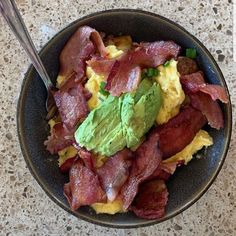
(25, 208)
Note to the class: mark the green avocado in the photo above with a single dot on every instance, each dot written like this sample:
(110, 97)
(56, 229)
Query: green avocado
(120, 121)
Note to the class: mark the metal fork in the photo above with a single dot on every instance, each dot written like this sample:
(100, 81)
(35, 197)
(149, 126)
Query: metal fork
(13, 18)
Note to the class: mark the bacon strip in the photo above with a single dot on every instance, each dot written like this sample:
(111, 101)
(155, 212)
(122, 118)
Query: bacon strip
(151, 200)
(71, 103)
(115, 172)
(129, 76)
(209, 108)
(101, 66)
(164, 170)
(203, 97)
(154, 54)
(84, 187)
(146, 160)
(87, 158)
(78, 49)
(66, 166)
(179, 131)
(195, 82)
(60, 138)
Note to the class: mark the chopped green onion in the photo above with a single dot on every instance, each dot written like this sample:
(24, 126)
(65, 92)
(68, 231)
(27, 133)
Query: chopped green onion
(149, 72)
(156, 72)
(167, 63)
(191, 53)
(102, 89)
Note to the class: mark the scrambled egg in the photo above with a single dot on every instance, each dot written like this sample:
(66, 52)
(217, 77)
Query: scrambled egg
(113, 52)
(172, 92)
(93, 86)
(100, 160)
(60, 80)
(201, 139)
(109, 207)
(51, 123)
(123, 43)
(66, 154)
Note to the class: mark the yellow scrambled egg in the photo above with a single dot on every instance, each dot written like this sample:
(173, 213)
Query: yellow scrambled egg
(201, 139)
(172, 92)
(109, 207)
(66, 154)
(93, 86)
(60, 80)
(123, 43)
(99, 160)
(51, 123)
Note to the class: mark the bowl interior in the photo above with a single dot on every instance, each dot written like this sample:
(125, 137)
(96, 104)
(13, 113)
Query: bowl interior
(187, 184)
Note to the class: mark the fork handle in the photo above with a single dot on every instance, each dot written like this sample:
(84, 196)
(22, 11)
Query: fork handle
(13, 18)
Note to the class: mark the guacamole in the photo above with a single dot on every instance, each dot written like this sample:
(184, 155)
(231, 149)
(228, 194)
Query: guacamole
(120, 121)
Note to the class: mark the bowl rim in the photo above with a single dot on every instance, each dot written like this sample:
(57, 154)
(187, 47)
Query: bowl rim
(27, 158)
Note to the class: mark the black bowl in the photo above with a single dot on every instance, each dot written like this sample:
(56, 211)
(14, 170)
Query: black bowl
(188, 183)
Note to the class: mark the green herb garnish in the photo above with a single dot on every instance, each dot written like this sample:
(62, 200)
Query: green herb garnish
(149, 72)
(152, 72)
(167, 63)
(102, 89)
(191, 53)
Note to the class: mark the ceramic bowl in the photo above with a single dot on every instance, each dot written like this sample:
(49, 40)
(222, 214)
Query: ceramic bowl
(187, 185)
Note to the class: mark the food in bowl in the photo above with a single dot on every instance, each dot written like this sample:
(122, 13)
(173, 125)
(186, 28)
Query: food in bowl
(128, 115)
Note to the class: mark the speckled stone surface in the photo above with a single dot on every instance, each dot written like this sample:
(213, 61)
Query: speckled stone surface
(25, 208)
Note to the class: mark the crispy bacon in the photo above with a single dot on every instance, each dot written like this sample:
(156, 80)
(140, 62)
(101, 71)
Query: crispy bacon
(209, 108)
(101, 66)
(84, 187)
(195, 82)
(81, 45)
(67, 192)
(146, 159)
(71, 103)
(60, 138)
(65, 167)
(179, 131)
(203, 97)
(154, 54)
(129, 78)
(87, 157)
(115, 172)
(164, 170)
(151, 200)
